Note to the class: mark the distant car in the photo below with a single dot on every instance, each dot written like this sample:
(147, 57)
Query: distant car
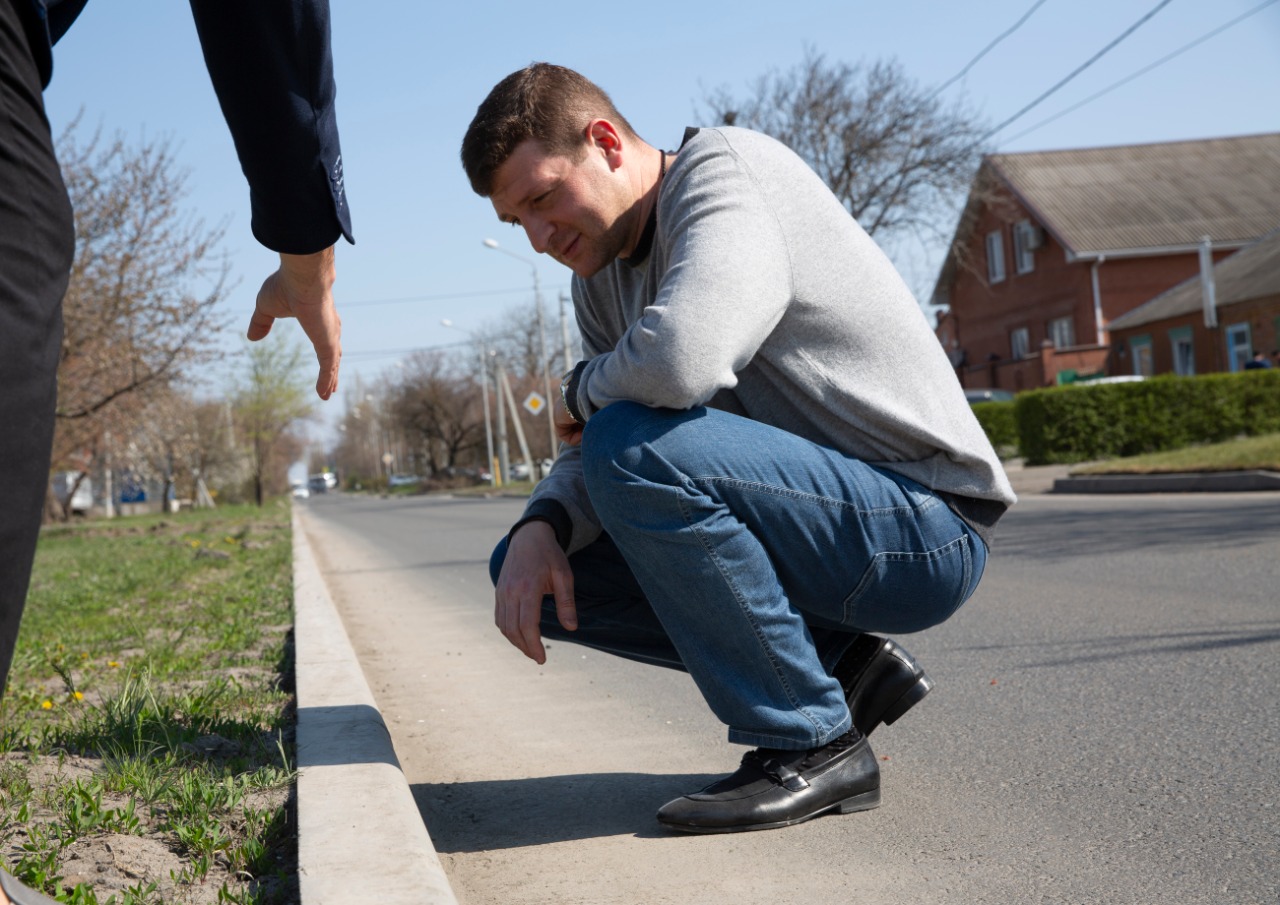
(403, 480)
(300, 491)
(987, 395)
(318, 484)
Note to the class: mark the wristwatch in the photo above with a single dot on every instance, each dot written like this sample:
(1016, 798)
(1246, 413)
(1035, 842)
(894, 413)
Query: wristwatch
(569, 392)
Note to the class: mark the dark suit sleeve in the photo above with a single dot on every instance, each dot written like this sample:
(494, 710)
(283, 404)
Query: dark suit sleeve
(272, 69)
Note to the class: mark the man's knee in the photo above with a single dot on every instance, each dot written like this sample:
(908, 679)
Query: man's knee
(626, 440)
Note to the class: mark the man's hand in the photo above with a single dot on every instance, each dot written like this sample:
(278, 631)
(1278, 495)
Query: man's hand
(535, 566)
(303, 288)
(568, 430)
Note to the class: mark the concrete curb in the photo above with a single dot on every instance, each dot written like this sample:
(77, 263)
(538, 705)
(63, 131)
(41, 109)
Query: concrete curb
(360, 835)
(1200, 482)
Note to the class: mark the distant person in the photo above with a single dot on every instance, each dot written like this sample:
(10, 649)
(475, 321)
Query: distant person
(272, 70)
(769, 454)
(1258, 362)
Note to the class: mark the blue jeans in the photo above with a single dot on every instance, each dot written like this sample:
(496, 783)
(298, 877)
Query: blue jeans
(751, 558)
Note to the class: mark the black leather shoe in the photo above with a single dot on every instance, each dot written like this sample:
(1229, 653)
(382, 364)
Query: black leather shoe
(776, 788)
(881, 681)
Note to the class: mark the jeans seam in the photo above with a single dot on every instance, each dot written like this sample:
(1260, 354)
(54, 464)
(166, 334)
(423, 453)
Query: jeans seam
(773, 489)
(746, 611)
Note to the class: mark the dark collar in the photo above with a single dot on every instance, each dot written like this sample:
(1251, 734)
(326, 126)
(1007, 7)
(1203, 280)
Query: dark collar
(645, 245)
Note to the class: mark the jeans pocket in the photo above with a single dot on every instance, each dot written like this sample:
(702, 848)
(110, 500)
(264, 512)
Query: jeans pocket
(909, 592)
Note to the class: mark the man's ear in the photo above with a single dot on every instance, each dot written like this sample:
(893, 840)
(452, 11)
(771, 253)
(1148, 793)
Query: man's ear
(603, 136)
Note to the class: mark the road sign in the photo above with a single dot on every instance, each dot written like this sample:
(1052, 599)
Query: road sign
(534, 403)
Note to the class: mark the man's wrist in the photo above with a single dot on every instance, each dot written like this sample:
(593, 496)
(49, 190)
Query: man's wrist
(551, 512)
(569, 392)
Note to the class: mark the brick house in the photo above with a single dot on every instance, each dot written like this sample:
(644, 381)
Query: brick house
(1169, 334)
(1053, 246)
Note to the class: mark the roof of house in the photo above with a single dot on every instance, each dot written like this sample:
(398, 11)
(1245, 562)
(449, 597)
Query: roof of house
(1251, 273)
(1132, 200)
(1136, 199)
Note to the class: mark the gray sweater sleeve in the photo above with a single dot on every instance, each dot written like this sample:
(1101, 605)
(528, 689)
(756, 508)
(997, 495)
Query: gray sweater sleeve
(726, 274)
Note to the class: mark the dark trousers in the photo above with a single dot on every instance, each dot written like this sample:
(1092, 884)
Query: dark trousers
(37, 241)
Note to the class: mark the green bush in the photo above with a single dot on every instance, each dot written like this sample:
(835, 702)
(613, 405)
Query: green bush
(997, 420)
(1101, 421)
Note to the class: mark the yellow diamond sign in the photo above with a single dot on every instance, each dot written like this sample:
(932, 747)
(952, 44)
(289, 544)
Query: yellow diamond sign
(534, 403)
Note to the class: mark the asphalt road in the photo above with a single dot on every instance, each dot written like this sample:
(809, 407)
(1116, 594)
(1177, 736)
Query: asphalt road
(1105, 727)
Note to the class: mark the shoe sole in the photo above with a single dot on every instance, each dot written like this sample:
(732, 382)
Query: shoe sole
(910, 698)
(863, 801)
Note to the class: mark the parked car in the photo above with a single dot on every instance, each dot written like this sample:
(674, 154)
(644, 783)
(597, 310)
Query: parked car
(76, 488)
(986, 395)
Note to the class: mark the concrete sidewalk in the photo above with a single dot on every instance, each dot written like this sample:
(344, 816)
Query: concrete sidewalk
(360, 835)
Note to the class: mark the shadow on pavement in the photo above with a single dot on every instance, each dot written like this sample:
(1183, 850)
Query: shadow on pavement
(1118, 647)
(1070, 533)
(514, 813)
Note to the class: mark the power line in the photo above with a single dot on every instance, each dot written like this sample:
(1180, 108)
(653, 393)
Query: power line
(1144, 70)
(389, 353)
(1079, 69)
(982, 53)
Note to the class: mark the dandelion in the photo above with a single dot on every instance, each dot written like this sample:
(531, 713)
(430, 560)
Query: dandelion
(113, 663)
(46, 704)
(78, 695)
(194, 543)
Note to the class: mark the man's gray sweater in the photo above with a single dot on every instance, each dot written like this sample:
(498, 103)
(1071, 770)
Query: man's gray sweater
(762, 296)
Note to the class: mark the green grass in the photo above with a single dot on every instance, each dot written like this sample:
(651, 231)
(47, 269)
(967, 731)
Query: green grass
(151, 699)
(1244, 454)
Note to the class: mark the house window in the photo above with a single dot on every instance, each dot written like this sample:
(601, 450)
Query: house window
(1239, 346)
(1026, 239)
(1063, 332)
(1019, 343)
(1143, 359)
(995, 257)
(1184, 353)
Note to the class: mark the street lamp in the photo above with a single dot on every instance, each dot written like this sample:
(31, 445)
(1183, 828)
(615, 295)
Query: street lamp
(484, 393)
(542, 338)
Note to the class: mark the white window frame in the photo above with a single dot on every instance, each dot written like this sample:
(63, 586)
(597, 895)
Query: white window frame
(1182, 344)
(1062, 332)
(995, 256)
(1020, 337)
(1239, 345)
(1024, 253)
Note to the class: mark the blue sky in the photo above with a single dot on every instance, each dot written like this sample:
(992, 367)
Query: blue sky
(410, 75)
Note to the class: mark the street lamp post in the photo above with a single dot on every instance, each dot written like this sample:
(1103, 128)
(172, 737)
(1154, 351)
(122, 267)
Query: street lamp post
(542, 339)
(484, 395)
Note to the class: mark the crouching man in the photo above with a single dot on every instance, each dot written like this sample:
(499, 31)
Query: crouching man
(768, 454)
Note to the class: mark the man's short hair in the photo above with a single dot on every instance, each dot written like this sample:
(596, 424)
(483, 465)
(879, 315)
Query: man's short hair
(545, 102)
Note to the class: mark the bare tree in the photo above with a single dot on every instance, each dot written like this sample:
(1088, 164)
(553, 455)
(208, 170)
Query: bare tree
(146, 278)
(269, 397)
(895, 155)
(438, 407)
(141, 301)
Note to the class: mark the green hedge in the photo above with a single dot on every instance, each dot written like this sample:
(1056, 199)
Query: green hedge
(998, 421)
(1082, 423)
